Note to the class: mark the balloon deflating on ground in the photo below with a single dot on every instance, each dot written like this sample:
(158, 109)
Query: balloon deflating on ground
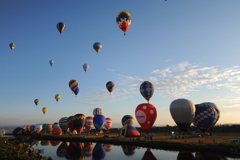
(127, 119)
(146, 115)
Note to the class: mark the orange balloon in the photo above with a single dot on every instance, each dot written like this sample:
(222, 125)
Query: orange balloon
(56, 131)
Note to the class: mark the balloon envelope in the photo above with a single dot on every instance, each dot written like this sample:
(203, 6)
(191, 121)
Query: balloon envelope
(108, 123)
(73, 84)
(97, 46)
(97, 111)
(12, 46)
(147, 90)
(79, 121)
(61, 27)
(205, 117)
(63, 124)
(44, 110)
(146, 115)
(127, 119)
(56, 131)
(76, 90)
(36, 101)
(183, 112)
(110, 86)
(51, 62)
(89, 123)
(98, 122)
(85, 67)
(123, 19)
(57, 97)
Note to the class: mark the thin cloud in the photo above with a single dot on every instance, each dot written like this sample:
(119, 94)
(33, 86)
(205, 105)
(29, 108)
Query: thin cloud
(111, 70)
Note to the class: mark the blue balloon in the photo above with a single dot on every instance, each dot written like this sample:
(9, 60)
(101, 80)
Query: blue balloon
(44, 127)
(98, 152)
(98, 122)
(76, 90)
(32, 128)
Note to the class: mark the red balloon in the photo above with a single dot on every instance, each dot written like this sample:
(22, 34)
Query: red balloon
(146, 115)
(56, 131)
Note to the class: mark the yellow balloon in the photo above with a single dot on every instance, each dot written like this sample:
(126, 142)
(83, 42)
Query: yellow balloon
(57, 97)
(44, 110)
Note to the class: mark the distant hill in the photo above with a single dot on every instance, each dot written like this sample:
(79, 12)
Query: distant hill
(12, 127)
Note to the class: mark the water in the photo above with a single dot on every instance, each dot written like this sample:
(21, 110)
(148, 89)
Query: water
(89, 151)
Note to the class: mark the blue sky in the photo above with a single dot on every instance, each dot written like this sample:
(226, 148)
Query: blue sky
(187, 49)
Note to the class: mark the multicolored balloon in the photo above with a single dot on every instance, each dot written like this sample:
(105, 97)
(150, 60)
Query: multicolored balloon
(108, 123)
(48, 127)
(85, 67)
(89, 123)
(218, 111)
(32, 128)
(110, 86)
(182, 112)
(128, 150)
(146, 115)
(51, 62)
(97, 111)
(56, 125)
(97, 46)
(36, 101)
(57, 97)
(61, 27)
(44, 110)
(79, 121)
(12, 46)
(147, 90)
(205, 117)
(108, 147)
(73, 84)
(124, 20)
(127, 119)
(129, 131)
(98, 122)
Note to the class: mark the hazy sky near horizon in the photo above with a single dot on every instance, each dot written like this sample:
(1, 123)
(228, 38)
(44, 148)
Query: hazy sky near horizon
(186, 49)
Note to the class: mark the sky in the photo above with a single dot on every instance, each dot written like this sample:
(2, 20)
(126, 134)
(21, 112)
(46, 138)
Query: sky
(186, 49)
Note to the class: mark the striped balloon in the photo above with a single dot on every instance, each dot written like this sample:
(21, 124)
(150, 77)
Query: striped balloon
(97, 111)
(63, 124)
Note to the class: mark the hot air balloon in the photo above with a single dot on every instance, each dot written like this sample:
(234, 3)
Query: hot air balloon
(39, 128)
(12, 46)
(129, 131)
(73, 84)
(98, 122)
(205, 117)
(36, 101)
(44, 127)
(97, 46)
(146, 115)
(108, 123)
(148, 155)
(147, 90)
(57, 97)
(44, 110)
(97, 111)
(183, 112)
(55, 143)
(127, 119)
(32, 128)
(85, 67)
(110, 86)
(76, 151)
(218, 111)
(70, 126)
(56, 125)
(61, 27)
(98, 152)
(56, 131)
(124, 20)
(63, 124)
(48, 128)
(51, 62)
(79, 121)
(89, 123)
